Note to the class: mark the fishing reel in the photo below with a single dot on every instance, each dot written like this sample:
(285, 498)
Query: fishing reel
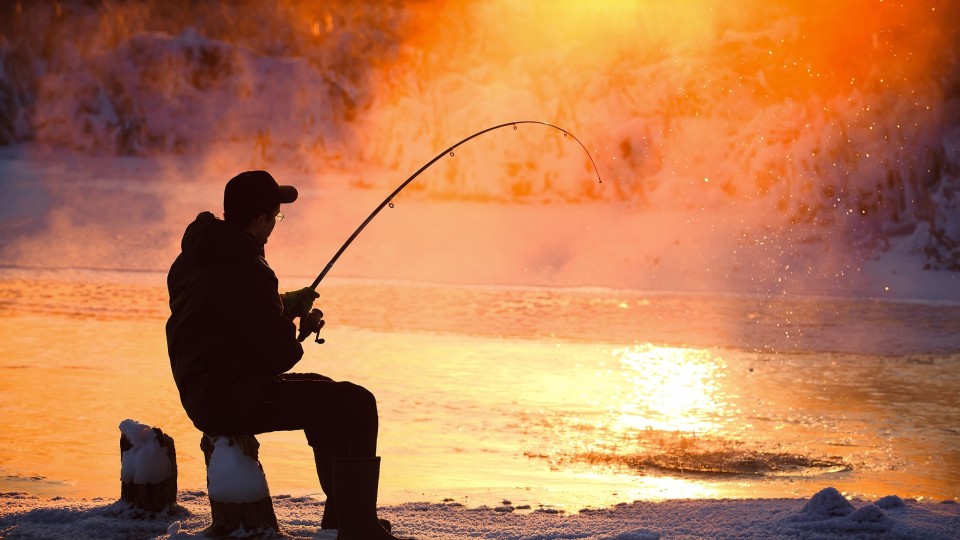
(303, 334)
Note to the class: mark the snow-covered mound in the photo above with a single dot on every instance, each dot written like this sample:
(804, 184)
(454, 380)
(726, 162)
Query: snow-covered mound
(146, 462)
(234, 477)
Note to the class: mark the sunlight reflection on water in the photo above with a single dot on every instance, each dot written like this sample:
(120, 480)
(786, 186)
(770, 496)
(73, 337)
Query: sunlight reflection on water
(670, 389)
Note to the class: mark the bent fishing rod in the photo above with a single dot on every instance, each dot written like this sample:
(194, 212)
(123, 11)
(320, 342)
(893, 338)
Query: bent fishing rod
(389, 200)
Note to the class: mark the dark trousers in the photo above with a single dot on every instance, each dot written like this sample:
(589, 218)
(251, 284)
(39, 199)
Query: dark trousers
(339, 418)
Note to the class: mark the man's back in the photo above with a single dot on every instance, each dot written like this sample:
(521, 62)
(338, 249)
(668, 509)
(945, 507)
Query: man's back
(226, 329)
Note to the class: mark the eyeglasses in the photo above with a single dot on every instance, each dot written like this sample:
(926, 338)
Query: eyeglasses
(278, 217)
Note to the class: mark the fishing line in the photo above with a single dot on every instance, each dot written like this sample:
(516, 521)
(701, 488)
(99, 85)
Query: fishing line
(389, 200)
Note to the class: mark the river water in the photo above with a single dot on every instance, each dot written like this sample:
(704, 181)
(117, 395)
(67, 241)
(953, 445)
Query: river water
(543, 396)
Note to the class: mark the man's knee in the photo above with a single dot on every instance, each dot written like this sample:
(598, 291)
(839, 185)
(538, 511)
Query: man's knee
(359, 398)
(348, 423)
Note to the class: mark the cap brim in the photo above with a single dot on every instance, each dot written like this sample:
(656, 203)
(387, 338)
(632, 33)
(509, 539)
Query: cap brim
(288, 194)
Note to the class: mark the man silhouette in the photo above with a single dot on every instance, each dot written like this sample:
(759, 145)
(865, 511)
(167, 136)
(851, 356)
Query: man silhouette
(231, 340)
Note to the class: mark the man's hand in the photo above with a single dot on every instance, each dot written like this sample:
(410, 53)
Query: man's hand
(298, 303)
(311, 322)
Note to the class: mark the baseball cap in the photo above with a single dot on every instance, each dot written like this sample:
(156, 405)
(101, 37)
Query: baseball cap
(252, 193)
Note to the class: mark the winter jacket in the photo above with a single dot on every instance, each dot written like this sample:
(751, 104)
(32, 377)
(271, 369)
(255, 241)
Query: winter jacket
(226, 331)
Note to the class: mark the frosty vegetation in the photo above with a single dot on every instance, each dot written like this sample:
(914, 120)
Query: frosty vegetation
(847, 131)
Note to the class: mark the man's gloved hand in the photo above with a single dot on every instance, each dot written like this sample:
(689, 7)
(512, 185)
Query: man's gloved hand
(298, 303)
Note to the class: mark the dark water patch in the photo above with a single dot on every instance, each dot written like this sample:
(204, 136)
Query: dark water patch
(12, 480)
(35, 484)
(681, 454)
(722, 463)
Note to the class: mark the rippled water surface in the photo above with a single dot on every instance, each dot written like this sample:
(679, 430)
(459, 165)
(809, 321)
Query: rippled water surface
(541, 396)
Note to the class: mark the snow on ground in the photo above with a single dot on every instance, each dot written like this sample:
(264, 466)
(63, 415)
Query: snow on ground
(825, 515)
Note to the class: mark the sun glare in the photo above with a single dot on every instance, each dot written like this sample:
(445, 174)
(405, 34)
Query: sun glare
(673, 389)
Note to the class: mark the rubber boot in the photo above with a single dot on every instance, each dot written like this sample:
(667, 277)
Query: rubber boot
(324, 461)
(355, 482)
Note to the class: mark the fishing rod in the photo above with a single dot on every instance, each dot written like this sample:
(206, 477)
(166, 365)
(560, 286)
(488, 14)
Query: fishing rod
(389, 200)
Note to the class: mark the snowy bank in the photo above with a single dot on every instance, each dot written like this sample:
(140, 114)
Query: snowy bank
(825, 515)
(861, 156)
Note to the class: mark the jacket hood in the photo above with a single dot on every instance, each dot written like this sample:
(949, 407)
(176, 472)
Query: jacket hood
(208, 240)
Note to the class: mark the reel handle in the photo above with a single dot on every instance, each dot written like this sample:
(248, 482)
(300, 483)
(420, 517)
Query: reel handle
(301, 336)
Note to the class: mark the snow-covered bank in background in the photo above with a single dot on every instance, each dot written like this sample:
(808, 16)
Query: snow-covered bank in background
(841, 125)
(825, 515)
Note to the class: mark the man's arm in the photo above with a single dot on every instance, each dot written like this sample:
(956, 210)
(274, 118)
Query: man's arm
(272, 335)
